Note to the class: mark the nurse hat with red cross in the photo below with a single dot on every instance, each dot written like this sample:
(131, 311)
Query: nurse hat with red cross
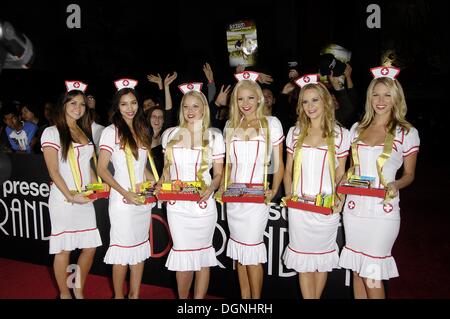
(247, 75)
(125, 83)
(385, 72)
(307, 79)
(188, 87)
(75, 85)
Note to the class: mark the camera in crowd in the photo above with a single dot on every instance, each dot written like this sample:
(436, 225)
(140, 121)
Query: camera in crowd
(328, 64)
(16, 50)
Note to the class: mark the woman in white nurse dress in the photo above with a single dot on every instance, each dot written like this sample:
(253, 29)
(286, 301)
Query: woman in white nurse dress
(126, 143)
(372, 224)
(72, 217)
(192, 149)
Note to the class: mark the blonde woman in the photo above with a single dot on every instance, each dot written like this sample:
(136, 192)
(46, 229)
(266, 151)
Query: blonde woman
(251, 139)
(191, 150)
(317, 148)
(382, 143)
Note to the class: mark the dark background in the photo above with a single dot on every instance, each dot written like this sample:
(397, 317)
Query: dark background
(134, 38)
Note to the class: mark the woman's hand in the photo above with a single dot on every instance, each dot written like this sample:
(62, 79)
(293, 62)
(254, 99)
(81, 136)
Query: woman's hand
(338, 205)
(269, 194)
(170, 78)
(204, 195)
(222, 97)
(208, 72)
(392, 189)
(131, 198)
(265, 78)
(156, 79)
(79, 199)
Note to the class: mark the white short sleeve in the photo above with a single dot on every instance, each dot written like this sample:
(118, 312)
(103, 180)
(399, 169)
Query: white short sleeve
(290, 140)
(108, 139)
(411, 143)
(343, 147)
(276, 130)
(218, 149)
(166, 136)
(50, 138)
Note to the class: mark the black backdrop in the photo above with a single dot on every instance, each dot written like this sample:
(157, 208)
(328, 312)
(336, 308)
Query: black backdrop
(25, 227)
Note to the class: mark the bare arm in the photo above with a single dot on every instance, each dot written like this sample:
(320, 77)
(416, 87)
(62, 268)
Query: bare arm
(215, 183)
(340, 172)
(93, 177)
(279, 171)
(409, 169)
(168, 97)
(287, 179)
(148, 175)
(106, 175)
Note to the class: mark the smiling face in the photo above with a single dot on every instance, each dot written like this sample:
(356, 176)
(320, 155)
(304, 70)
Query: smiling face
(312, 104)
(193, 109)
(157, 119)
(247, 101)
(128, 106)
(382, 100)
(75, 108)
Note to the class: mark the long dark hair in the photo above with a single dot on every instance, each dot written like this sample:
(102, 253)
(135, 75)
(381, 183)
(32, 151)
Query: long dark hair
(61, 124)
(139, 124)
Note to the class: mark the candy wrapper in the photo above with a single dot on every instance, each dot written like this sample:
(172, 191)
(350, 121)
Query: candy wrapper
(179, 190)
(244, 193)
(320, 204)
(146, 192)
(361, 185)
(95, 191)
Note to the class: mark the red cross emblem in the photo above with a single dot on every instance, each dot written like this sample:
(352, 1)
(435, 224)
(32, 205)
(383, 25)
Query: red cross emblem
(351, 204)
(246, 75)
(171, 202)
(384, 71)
(76, 84)
(203, 204)
(190, 86)
(125, 82)
(306, 79)
(387, 208)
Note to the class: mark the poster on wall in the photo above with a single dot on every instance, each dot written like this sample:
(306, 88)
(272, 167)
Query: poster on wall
(242, 43)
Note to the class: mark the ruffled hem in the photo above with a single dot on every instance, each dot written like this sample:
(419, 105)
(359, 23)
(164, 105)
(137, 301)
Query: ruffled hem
(246, 254)
(75, 240)
(304, 262)
(127, 255)
(191, 260)
(368, 267)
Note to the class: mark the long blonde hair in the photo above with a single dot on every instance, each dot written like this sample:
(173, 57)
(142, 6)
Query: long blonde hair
(206, 121)
(328, 120)
(235, 113)
(399, 108)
